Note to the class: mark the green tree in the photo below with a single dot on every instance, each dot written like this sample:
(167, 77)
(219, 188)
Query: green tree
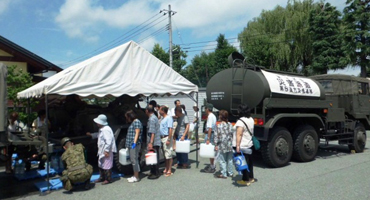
(178, 59)
(161, 54)
(178, 56)
(198, 71)
(356, 32)
(17, 81)
(279, 39)
(326, 36)
(222, 52)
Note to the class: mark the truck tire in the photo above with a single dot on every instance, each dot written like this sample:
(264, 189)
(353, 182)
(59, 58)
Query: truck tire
(121, 144)
(305, 143)
(277, 152)
(359, 140)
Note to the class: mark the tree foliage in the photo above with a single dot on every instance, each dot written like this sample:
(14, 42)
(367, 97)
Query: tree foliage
(356, 33)
(279, 39)
(17, 81)
(324, 27)
(178, 56)
(161, 54)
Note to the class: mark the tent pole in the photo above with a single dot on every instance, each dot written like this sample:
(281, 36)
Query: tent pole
(47, 142)
(196, 131)
(29, 125)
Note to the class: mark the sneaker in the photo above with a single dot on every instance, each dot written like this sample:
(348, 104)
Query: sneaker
(130, 178)
(133, 180)
(241, 182)
(208, 166)
(210, 170)
(230, 175)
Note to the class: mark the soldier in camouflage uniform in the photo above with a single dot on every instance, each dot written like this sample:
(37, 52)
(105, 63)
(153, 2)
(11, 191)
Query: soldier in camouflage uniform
(77, 170)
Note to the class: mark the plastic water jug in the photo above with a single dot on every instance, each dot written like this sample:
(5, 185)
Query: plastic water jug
(151, 158)
(50, 147)
(21, 167)
(207, 151)
(55, 163)
(183, 146)
(16, 167)
(124, 157)
(240, 163)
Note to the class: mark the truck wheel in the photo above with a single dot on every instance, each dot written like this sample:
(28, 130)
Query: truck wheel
(121, 144)
(359, 140)
(278, 150)
(305, 143)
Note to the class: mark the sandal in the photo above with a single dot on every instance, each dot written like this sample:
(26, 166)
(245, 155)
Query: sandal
(168, 174)
(253, 180)
(221, 176)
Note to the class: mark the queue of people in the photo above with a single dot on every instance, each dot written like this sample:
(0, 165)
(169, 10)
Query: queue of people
(161, 134)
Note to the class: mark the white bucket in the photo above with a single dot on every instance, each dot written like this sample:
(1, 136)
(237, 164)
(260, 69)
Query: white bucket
(124, 157)
(183, 146)
(207, 151)
(151, 158)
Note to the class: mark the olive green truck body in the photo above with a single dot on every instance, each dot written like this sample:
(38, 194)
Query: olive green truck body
(292, 112)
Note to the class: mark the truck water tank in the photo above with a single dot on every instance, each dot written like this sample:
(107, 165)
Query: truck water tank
(233, 86)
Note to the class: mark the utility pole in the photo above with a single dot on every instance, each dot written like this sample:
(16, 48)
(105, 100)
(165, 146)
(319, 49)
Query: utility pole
(170, 13)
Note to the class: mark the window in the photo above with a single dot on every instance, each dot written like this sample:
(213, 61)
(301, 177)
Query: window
(327, 85)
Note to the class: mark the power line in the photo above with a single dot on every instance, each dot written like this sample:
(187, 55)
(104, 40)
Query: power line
(155, 33)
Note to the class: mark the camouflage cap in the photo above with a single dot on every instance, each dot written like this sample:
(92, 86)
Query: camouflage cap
(65, 140)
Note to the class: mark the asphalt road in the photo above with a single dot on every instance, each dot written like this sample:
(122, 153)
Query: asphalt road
(334, 174)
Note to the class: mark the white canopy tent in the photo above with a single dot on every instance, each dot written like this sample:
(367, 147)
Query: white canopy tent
(127, 69)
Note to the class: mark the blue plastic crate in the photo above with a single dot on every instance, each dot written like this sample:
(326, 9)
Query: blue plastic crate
(27, 175)
(55, 184)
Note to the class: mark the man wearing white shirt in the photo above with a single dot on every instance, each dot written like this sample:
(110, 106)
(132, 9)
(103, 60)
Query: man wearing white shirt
(172, 112)
(209, 136)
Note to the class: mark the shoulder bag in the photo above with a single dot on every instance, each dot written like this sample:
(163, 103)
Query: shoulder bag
(255, 141)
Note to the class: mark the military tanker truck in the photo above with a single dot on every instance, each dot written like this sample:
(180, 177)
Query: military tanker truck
(292, 112)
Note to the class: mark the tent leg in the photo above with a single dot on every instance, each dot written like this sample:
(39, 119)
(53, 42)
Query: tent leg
(47, 141)
(196, 132)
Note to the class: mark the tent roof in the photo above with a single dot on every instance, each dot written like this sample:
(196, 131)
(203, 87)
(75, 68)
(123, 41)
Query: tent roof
(127, 69)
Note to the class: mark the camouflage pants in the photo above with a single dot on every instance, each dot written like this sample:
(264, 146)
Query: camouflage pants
(79, 176)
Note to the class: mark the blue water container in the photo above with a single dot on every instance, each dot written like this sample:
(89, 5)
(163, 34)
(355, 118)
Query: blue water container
(240, 163)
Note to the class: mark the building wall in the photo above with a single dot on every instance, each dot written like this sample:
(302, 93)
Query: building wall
(188, 102)
(20, 65)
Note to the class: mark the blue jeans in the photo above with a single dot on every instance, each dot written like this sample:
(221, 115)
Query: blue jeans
(182, 158)
(226, 163)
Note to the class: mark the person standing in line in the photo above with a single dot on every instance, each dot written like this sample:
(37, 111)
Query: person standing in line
(167, 140)
(133, 142)
(154, 104)
(209, 136)
(154, 139)
(172, 111)
(106, 148)
(183, 109)
(196, 122)
(223, 144)
(182, 132)
(76, 168)
(244, 132)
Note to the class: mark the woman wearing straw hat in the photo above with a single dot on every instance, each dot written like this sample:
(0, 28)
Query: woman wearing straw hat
(106, 148)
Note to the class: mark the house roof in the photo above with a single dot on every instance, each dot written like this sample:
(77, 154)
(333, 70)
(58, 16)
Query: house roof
(36, 64)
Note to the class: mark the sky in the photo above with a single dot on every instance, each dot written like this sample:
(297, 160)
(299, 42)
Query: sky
(66, 32)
